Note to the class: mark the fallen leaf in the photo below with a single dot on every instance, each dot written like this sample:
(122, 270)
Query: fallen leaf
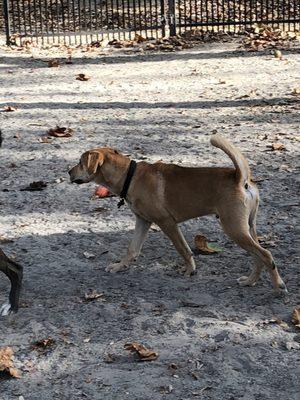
(35, 186)
(296, 316)
(93, 295)
(96, 43)
(277, 146)
(150, 46)
(9, 108)
(205, 247)
(60, 131)
(43, 343)
(139, 38)
(6, 362)
(53, 63)
(143, 353)
(82, 77)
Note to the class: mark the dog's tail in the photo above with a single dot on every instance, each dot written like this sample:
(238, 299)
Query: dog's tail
(243, 173)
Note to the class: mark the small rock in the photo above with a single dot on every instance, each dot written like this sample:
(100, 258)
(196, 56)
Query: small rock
(88, 255)
(292, 345)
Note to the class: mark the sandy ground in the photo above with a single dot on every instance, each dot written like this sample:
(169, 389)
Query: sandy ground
(215, 340)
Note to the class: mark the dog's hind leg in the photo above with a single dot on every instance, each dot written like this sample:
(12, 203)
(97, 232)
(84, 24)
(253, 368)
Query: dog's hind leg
(140, 233)
(240, 233)
(172, 230)
(258, 265)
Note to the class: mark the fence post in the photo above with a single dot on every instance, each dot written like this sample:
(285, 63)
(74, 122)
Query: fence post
(6, 20)
(163, 20)
(172, 17)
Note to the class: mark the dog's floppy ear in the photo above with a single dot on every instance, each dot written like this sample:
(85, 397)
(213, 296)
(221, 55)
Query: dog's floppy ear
(93, 160)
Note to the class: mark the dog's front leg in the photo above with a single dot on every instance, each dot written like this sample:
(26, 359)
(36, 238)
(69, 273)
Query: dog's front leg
(171, 229)
(134, 249)
(14, 272)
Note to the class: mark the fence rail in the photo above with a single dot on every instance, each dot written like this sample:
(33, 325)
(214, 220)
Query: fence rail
(84, 21)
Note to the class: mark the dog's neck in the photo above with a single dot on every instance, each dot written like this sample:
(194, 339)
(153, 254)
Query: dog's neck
(114, 174)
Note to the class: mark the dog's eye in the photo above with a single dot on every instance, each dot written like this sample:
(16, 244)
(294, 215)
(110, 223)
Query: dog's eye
(116, 152)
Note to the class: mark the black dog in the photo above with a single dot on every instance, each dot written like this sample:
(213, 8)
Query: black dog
(14, 272)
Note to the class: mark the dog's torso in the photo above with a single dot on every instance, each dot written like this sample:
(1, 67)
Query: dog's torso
(160, 190)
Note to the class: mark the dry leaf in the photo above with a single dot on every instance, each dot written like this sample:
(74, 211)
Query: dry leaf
(96, 43)
(82, 77)
(150, 46)
(296, 316)
(204, 247)
(6, 362)
(9, 108)
(43, 343)
(60, 131)
(53, 63)
(139, 39)
(93, 295)
(277, 146)
(143, 353)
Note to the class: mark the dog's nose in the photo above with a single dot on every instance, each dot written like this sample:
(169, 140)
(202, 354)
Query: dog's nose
(78, 181)
(69, 172)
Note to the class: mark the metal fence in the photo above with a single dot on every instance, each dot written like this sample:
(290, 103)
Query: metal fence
(237, 15)
(84, 21)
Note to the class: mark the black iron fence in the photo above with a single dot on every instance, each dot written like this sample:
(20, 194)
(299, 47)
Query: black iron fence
(84, 21)
(238, 15)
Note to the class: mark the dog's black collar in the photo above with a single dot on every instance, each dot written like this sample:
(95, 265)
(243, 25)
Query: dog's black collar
(130, 173)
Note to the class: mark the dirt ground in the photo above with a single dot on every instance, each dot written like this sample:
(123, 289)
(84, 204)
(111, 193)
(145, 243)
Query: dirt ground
(215, 339)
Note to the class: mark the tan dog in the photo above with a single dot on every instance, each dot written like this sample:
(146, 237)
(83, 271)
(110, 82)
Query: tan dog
(154, 196)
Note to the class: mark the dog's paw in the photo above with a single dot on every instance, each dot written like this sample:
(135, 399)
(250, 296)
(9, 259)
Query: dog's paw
(281, 290)
(5, 309)
(246, 281)
(190, 272)
(187, 271)
(116, 267)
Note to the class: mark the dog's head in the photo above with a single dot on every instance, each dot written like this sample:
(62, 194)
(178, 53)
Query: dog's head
(90, 163)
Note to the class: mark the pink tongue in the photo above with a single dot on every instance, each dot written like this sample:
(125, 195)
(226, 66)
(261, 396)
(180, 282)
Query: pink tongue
(102, 192)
